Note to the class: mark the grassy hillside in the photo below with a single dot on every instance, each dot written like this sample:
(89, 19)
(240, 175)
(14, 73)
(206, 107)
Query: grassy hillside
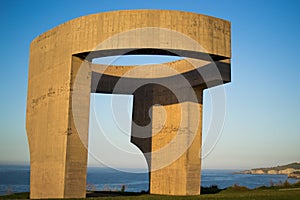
(282, 167)
(281, 192)
(224, 195)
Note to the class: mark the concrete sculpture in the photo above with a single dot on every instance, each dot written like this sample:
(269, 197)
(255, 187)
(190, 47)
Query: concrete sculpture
(167, 110)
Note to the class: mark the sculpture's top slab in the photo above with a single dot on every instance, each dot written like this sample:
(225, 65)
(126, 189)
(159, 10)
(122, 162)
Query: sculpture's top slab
(212, 34)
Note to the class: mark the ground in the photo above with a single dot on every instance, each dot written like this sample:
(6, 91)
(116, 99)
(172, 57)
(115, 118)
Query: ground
(261, 194)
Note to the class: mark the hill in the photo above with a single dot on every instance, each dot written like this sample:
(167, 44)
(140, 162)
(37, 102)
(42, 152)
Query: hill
(292, 170)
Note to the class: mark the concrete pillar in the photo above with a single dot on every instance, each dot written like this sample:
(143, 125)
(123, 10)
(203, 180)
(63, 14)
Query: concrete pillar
(58, 154)
(176, 146)
(172, 138)
(77, 138)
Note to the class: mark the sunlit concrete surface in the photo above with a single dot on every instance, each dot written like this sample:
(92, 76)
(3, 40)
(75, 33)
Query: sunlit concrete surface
(167, 110)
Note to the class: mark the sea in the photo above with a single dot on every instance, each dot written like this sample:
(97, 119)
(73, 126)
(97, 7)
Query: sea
(15, 179)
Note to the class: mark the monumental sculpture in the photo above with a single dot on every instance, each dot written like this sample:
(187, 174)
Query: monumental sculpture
(168, 97)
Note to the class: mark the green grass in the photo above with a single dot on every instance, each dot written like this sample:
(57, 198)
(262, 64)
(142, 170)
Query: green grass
(284, 191)
(232, 194)
(23, 195)
(224, 195)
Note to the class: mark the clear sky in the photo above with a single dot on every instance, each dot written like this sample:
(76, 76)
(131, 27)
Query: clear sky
(262, 124)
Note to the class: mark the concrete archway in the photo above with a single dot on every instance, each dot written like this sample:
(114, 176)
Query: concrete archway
(167, 109)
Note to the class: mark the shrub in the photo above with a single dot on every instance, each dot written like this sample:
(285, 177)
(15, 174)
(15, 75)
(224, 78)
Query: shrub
(238, 188)
(213, 189)
(286, 184)
(297, 184)
(123, 188)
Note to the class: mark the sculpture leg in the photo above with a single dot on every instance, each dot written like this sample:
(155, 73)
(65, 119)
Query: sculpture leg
(168, 132)
(77, 139)
(58, 157)
(182, 175)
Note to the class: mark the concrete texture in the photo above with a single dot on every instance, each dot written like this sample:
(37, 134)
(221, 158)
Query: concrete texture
(61, 78)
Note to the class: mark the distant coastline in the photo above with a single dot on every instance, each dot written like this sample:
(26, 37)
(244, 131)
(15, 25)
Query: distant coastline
(292, 170)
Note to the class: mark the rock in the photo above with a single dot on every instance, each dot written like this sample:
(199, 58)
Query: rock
(292, 170)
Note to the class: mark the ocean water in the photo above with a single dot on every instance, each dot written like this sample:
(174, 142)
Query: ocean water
(16, 179)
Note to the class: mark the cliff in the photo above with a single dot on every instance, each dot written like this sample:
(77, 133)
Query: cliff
(292, 170)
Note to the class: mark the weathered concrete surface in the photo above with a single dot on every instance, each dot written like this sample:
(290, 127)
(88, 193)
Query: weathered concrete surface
(183, 126)
(58, 154)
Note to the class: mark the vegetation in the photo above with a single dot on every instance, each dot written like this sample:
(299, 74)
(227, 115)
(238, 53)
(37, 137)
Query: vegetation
(285, 191)
(23, 195)
(292, 170)
(268, 194)
(210, 190)
(295, 165)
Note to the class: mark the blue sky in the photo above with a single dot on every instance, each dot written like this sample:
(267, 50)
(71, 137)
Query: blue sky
(262, 125)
